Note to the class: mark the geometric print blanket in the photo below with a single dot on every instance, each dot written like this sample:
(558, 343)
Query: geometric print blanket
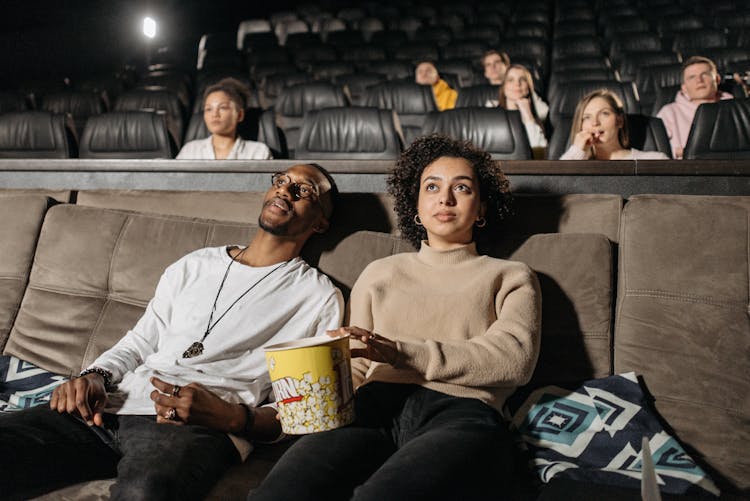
(594, 434)
(24, 385)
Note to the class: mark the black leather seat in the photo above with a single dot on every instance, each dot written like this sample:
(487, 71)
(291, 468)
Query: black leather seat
(567, 97)
(477, 96)
(328, 71)
(575, 28)
(560, 79)
(663, 95)
(295, 101)
(498, 131)
(355, 84)
(634, 42)
(127, 134)
(258, 125)
(415, 52)
(362, 55)
(158, 100)
(304, 57)
(650, 78)
(720, 131)
(348, 133)
(393, 70)
(463, 69)
(389, 38)
(272, 85)
(259, 41)
(171, 80)
(12, 101)
(632, 61)
(646, 133)
(618, 25)
(487, 33)
(345, 38)
(694, 42)
(576, 46)
(435, 35)
(79, 104)
(468, 50)
(36, 134)
(410, 101)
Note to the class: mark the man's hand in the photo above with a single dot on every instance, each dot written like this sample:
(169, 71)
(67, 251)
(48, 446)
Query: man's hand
(83, 396)
(195, 404)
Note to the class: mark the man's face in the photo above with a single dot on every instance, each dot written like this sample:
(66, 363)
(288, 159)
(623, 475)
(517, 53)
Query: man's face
(297, 203)
(494, 69)
(426, 74)
(700, 82)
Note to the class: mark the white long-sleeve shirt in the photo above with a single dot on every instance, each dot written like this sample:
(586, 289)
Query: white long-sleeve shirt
(294, 301)
(203, 149)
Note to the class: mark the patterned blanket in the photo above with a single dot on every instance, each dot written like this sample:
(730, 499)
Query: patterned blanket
(24, 385)
(594, 434)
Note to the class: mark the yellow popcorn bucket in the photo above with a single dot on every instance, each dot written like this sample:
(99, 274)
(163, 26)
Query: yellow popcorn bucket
(312, 381)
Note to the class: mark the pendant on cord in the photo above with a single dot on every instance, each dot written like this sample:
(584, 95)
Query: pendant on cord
(195, 349)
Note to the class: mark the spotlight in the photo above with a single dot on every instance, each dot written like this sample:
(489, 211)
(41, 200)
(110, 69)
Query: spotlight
(149, 27)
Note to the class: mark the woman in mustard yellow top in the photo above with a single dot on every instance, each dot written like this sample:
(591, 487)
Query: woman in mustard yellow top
(427, 74)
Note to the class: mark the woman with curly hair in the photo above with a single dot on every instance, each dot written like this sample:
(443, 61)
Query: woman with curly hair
(441, 337)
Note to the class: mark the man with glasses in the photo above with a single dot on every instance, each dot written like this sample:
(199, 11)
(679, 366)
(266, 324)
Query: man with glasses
(175, 402)
(700, 84)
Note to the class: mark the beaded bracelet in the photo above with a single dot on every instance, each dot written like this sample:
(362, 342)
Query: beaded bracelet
(104, 373)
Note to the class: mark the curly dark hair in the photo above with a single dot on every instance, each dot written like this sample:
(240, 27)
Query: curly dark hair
(404, 180)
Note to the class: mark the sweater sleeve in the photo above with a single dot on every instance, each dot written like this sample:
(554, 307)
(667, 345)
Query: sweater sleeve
(359, 313)
(504, 355)
(536, 135)
(574, 153)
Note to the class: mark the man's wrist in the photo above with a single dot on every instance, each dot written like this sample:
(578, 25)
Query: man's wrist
(104, 373)
(247, 428)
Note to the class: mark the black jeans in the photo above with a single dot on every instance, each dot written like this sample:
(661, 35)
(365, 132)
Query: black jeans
(407, 443)
(42, 450)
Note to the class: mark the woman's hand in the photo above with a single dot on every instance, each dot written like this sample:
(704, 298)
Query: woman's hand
(585, 139)
(376, 348)
(524, 107)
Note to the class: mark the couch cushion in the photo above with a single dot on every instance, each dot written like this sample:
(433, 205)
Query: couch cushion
(682, 319)
(575, 272)
(19, 229)
(93, 274)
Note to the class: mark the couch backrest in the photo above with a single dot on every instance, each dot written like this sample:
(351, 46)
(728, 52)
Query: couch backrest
(21, 220)
(682, 319)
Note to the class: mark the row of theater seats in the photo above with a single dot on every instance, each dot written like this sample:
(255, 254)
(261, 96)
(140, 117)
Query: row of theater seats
(720, 131)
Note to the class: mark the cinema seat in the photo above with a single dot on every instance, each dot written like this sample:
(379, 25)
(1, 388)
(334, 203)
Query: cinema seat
(498, 131)
(410, 101)
(348, 134)
(720, 131)
(127, 134)
(36, 134)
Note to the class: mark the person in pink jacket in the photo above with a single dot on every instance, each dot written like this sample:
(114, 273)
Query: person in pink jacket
(700, 84)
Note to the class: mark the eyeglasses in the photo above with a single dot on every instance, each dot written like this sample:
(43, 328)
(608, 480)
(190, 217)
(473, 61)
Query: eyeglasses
(298, 190)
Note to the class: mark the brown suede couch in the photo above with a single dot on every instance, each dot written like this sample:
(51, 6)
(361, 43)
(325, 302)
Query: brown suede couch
(657, 284)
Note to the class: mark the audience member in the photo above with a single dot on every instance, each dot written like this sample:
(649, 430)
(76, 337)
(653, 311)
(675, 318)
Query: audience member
(224, 106)
(441, 337)
(700, 84)
(445, 96)
(167, 410)
(517, 93)
(495, 64)
(600, 131)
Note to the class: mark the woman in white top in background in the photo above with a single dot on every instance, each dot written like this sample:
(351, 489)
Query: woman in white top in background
(517, 93)
(600, 131)
(224, 106)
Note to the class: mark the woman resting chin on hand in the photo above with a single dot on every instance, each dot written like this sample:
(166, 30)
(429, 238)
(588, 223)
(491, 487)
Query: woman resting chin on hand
(442, 337)
(600, 131)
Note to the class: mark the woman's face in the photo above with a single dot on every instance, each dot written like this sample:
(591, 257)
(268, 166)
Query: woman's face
(600, 119)
(449, 203)
(221, 114)
(515, 86)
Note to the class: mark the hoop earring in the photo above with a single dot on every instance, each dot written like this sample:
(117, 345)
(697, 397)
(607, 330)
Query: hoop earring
(417, 221)
(481, 222)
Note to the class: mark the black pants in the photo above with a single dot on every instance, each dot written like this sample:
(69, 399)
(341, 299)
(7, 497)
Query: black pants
(42, 450)
(407, 443)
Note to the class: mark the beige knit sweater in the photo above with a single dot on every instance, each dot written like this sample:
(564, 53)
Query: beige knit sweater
(466, 325)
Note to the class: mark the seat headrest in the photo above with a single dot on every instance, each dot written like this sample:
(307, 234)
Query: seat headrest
(126, 134)
(720, 131)
(498, 131)
(361, 133)
(36, 134)
(401, 97)
(294, 101)
(77, 103)
(141, 99)
(477, 96)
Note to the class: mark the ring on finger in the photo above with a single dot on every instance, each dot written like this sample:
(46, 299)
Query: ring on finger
(176, 391)
(171, 414)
